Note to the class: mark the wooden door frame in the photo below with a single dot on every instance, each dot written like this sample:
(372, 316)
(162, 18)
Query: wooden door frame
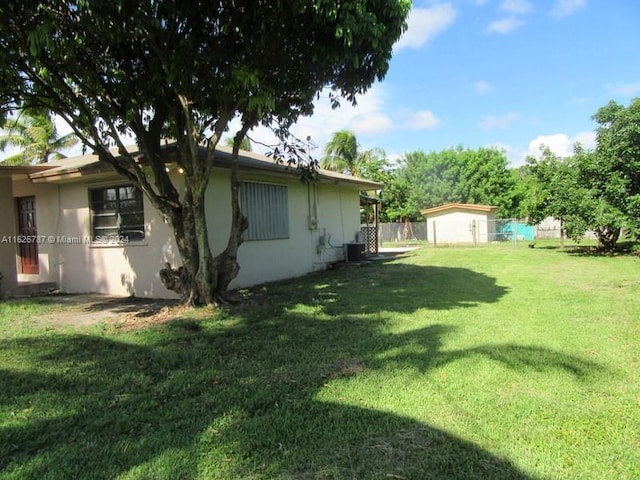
(27, 232)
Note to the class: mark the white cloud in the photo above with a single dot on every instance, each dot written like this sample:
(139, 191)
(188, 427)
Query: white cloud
(505, 25)
(8, 152)
(514, 10)
(61, 125)
(424, 24)
(482, 88)
(423, 120)
(515, 6)
(586, 139)
(561, 144)
(366, 118)
(516, 157)
(374, 123)
(63, 128)
(624, 89)
(565, 8)
(496, 122)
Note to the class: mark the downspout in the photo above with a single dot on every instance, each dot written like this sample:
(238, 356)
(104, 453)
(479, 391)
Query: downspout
(55, 248)
(312, 209)
(341, 213)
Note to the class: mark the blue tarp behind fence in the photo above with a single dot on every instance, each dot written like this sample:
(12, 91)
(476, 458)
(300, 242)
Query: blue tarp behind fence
(521, 230)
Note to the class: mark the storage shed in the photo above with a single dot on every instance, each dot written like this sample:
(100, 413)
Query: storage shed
(460, 223)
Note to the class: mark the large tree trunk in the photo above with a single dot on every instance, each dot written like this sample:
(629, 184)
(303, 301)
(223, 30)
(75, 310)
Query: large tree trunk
(608, 238)
(192, 280)
(204, 279)
(226, 263)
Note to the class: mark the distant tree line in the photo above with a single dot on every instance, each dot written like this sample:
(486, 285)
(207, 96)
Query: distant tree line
(421, 180)
(597, 190)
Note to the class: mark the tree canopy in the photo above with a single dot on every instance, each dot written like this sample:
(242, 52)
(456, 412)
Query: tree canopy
(595, 190)
(459, 175)
(183, 69)
(616, 174)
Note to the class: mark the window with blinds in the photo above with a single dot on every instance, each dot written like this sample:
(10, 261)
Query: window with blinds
(267, 209)
(117, 212)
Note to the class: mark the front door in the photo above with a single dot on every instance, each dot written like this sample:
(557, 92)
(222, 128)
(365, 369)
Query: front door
(27, 233)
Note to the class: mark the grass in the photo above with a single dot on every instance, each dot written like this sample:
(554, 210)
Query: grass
(445, 363)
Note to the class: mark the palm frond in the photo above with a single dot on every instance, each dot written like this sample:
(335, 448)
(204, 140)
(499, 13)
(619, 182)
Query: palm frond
(35, 133)
(341, 152)
(334, 163)
(17, 159)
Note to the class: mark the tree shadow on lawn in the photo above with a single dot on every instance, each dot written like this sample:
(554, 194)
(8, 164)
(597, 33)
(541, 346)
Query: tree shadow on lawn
(622, 249)
(239, 399)
(193, 403)
(389, 287)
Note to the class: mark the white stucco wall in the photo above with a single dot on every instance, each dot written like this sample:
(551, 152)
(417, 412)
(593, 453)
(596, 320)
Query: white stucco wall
(130, 269)
(8, 247)
(455, 226)
(337, 210)
(63, 211)
(76, 265)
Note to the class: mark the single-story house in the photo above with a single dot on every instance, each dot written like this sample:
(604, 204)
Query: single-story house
(60, 220)
(460, 223)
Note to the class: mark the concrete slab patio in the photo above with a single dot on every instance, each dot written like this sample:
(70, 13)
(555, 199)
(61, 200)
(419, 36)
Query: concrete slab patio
(90, 309)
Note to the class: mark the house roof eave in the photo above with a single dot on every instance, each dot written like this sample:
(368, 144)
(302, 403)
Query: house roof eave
(86, 166)
(12, 170)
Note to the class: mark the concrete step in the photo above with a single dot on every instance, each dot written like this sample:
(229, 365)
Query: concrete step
(28, 289)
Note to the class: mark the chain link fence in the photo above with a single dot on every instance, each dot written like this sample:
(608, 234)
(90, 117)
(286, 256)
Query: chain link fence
(486, 231)
(402, 232)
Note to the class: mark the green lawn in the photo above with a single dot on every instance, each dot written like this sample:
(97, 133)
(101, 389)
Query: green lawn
(446, 363)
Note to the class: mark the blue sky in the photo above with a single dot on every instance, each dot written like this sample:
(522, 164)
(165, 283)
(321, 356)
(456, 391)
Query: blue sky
(509, 73)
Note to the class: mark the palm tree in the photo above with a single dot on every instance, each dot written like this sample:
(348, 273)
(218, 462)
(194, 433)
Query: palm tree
(342, 154)
(35, 133)
(245, 144)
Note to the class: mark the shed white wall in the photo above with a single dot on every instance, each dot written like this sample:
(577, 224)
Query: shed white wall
(455, 226)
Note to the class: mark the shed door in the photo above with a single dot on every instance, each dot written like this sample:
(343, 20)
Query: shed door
(27, 231)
